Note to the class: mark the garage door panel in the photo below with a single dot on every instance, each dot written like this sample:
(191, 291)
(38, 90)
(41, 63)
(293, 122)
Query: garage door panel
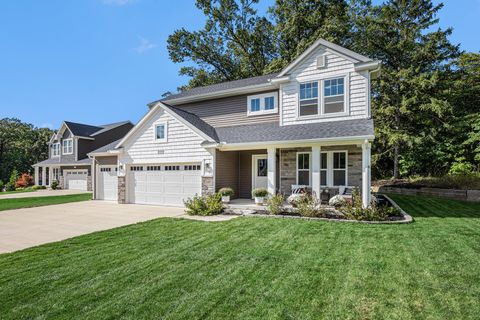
(75, 180)
(107, 183)
(164, 186)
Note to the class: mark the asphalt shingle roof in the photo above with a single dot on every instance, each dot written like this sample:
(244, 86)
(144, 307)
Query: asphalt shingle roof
(221, 87)
(64, 163)
(108, 147)
(195, 121)
(86, 130)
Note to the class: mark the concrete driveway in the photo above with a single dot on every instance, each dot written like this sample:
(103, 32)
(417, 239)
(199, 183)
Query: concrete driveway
(41, 193)
(24, 228)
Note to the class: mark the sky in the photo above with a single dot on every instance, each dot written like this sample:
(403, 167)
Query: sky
(102, 61)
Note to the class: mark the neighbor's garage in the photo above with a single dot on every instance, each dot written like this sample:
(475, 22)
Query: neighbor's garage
(107, 183)
(75, 179)
(163, 184)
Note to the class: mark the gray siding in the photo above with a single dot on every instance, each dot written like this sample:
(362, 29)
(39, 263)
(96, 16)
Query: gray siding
(108, 160)
(229, 111)
(245, 172)
(226, 171)
(85, 146)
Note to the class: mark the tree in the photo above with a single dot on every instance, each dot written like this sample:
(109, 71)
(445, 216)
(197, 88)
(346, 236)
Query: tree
(235, 43)
(406, 106)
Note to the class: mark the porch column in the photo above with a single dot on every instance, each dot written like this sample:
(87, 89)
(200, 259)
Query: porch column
(366, 173)
(316, 170)
(272, 169)
(36, 176)
(44, 175)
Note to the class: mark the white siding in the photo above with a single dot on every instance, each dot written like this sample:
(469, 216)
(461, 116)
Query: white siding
(182, 145)
(357, 88)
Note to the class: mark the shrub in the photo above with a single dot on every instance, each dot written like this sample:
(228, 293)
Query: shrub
(25, 180)
(38, 187)
(204, 205)
(226, 192)
(275, 204)
(355, 211)
(308, 206)
(13, 179)
(54, 185)
(9, 186)
(1, 185)
(259, 192)
(461, 168)
(337, 201)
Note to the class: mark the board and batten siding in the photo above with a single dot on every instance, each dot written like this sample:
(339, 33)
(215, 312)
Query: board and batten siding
(226, 112)
(182, 145)
(357, 88)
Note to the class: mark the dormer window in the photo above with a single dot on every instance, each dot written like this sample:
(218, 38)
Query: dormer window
(262, 104)
(161, 132)
(55, 149)
(67, 146)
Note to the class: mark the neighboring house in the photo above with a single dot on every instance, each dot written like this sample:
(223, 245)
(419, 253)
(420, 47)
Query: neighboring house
(68, 162)
(308, 125)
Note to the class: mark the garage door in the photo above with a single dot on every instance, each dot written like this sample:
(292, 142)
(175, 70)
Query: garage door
(76, 180)
(163, 184)
(107, 183)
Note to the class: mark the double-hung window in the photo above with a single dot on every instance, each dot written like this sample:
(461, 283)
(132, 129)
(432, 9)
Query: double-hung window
(262, 104)
(323, 168)
(339, 168)
(161, 132)
(55, 149)
(67, 146)
(309, 98)
(334, 96)
(303, 168)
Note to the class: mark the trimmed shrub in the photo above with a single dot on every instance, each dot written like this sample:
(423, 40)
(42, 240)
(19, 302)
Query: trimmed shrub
(24, 181)
(204, 205)
(227, 191)
(54, 185)
(308, 206)
(259, 192)
(275, 204)
(38, 187)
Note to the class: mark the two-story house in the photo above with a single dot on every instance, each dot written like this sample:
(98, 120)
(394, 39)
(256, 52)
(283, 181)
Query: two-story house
(309, 125)
(68, 163)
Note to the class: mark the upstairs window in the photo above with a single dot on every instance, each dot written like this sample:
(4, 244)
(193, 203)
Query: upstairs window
(262, 104)
(67, 146)
(55, 149)
(161, 132)
(334, 97)
(309, 98)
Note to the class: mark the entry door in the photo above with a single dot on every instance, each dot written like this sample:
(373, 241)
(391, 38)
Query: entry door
(259, 174)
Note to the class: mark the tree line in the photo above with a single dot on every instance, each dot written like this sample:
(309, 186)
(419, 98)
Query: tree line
(425, 104)
(21, 145)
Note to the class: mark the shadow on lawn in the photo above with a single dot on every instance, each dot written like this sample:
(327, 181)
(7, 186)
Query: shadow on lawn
(431, 207)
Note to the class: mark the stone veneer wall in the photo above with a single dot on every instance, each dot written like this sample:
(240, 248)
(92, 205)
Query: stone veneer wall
(61, 182)
(89, 183)
(288, 165)
(122, 191)
(207, 185)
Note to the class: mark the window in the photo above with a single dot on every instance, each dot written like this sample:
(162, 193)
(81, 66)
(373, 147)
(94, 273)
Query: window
(172, 168)
(55, 149)
(56, 173)
(262, 104)
(105, 169)
(191, 167)
(262, 167)
(334, 97)
(67, 145)
(309, 98)
(303, 168)
(339, 168)
(323, 169)
(161, 132)
(154, 168)
(136, 168)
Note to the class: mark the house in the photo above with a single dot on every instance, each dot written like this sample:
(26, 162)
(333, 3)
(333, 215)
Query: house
(308, 125)
(67, 162)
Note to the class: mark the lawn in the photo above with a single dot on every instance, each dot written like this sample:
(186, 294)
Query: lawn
(257, 268)
(17, 191)
(18, 203)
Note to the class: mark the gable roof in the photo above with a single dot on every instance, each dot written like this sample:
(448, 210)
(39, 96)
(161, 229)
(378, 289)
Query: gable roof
(89, 131)
(106, 148)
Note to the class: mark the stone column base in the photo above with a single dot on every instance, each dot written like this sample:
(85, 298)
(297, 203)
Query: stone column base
(122, 191)
(207, 186)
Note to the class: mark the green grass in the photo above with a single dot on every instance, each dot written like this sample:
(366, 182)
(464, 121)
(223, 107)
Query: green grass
(18, 203)
(257, 268)
(17, 191)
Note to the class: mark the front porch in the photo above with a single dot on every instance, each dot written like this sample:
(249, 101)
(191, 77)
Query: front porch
(79, 175)
(279, 169)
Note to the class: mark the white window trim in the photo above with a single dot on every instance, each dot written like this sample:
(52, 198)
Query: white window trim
(57, 144)
(262, 110)
(63, 146)
(165, 126)
(321, 97)
(330, 168)
(309, 168)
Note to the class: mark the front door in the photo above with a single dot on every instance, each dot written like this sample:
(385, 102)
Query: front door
(259, 168)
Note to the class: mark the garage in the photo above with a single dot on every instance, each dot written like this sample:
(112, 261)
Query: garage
(75, 179)
(163, 184)
(107, 188)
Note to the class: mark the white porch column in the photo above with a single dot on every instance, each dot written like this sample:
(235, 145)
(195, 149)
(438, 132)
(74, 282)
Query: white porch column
(366, 173)
(36, 176)
(50, 175)
(316, 170)
(272, 169)
(44, 175)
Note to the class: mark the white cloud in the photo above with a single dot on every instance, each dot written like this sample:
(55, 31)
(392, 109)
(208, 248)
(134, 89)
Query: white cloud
(144, 45)
(46, 125)
(118, 2)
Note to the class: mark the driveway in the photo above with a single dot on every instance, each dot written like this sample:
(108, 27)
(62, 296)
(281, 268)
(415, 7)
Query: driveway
(24, 228)
(41, 193)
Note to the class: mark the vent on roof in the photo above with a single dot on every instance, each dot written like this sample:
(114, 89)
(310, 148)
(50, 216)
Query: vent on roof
(321, 61)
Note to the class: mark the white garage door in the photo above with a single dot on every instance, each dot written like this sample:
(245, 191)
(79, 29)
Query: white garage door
(163, 184)
(76, 180)
(107, 183)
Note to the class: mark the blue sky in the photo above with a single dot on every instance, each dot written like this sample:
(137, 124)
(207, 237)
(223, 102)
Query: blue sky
(100, 61)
